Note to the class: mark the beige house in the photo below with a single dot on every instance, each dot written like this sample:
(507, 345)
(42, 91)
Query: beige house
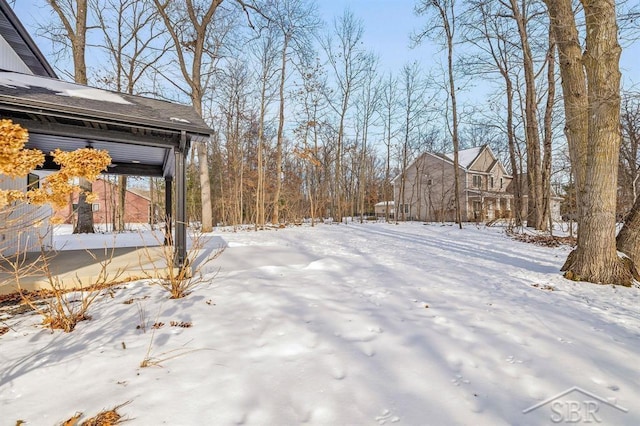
(384, 208)
(426, 190)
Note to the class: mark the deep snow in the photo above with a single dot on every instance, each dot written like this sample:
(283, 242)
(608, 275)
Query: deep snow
(342, 324)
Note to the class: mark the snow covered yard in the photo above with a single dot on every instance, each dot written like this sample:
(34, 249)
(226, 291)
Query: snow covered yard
(343, 324)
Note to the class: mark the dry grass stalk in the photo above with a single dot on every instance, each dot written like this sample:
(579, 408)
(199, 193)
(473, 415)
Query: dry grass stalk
(64, 308)
(107, 417)
(142, 317)
(104, 418)
(178, 280)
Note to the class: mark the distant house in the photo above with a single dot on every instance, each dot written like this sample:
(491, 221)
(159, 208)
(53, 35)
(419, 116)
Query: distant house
(383, 207)
(105, 208)
(425, 191)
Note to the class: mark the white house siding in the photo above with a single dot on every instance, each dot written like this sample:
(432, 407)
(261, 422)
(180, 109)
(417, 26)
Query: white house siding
(9, 59)
(428, 190)
(23, 227)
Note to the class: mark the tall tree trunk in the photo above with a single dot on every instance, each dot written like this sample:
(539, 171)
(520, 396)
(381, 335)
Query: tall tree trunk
(593, 133)
(196, 48)
(275, 218)
(122, 199)
(75, 28)
(454, 120)
(515, 170)
(546, 220)
(532, 137)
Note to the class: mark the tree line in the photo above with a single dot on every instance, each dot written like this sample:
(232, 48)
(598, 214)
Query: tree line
(305, 124)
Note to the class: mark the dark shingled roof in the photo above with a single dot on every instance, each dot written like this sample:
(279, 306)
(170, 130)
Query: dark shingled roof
(139, 133)
(12, 30)
(54, 97)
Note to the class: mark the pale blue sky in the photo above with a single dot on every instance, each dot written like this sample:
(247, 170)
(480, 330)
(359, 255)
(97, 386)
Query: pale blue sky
(387, 23)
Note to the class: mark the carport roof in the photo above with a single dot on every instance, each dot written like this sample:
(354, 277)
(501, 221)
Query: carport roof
(140, 133)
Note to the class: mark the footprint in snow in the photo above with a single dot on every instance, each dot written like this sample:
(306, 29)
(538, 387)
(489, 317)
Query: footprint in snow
(512, 360)
(387, 416)
(459, 380)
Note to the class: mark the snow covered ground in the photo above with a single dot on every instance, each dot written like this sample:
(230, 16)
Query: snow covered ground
(343, 324)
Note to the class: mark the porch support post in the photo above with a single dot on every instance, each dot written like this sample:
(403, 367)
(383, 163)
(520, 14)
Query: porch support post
(180, 244)
(168, 204)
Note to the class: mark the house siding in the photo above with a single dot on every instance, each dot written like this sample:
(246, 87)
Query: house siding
(429, 189)
(431, 197)
(23, 227)
(9, 59)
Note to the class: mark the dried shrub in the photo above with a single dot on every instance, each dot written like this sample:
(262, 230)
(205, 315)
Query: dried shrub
(16, 161)
(104, 418)
(178, 280)
(64, 307)
(60, 311)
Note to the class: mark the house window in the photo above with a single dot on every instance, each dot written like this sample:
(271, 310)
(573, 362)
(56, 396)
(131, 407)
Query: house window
(429, 182)
(477, 181)
(477, 210)
(491, 181)
(95, 207)
(406, 208)
(501, 183)
(33, 181)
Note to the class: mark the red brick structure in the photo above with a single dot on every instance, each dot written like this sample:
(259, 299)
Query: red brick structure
(137, 207)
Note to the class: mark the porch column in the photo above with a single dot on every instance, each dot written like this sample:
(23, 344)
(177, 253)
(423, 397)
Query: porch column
(168, 203)
(180, 242)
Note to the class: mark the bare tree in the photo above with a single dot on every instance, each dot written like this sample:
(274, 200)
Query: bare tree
(545, 222)
(368, 101)
(129, 29)
(413, 102)
(591, 88)
(489, 31)
(389, 104)
(296, 21)
(629, 170)
(442, 24)
(191, 27)
(73, 14)
(519, 12)
(349, 62)
(311, 95)
(628, 240)
(266, 52)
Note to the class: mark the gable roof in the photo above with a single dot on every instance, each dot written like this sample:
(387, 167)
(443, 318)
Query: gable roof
(16, 36)
(466, 157)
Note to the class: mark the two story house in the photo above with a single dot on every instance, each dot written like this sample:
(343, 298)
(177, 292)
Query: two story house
(425, 191)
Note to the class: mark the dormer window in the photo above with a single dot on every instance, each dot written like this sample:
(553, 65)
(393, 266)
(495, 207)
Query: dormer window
(477, 181)
(491, 181)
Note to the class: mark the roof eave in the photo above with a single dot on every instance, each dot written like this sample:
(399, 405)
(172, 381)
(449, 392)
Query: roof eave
(45, 108)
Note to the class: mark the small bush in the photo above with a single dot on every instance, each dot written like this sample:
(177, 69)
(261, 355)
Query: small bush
(178, 280)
